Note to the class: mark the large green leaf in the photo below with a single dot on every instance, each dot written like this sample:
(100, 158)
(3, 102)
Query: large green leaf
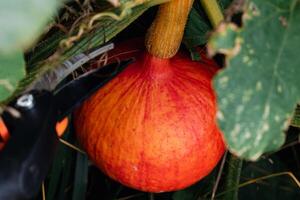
(260, 87)
(22, 21)
(21, 24)
(12, 69)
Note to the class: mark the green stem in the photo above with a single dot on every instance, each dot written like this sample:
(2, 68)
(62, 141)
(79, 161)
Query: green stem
(233, 177)
(213, 11)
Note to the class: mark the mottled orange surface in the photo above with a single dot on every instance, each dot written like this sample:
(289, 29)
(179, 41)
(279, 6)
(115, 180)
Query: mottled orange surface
(153, 127)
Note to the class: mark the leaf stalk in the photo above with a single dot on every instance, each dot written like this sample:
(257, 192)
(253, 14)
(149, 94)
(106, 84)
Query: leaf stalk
(213, 11)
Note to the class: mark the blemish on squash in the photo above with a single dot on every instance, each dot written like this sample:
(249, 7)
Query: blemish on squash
(135, 168)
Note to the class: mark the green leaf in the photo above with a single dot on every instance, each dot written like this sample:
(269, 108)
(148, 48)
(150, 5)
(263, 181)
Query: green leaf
(260, 87)
(81, 177)
(60, 177)
(12, 70)
(44, 49)
(198, 26)
(196, 29)
(22, 21)
(56, 171)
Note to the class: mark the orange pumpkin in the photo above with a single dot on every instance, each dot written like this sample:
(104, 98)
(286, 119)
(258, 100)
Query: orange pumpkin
(153, 127)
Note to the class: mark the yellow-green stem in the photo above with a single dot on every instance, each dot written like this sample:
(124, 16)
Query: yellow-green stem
(213, 11)
(165, 34)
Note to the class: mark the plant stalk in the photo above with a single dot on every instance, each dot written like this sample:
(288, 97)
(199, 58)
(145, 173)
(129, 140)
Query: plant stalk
(213, 11)
(233, 177)
(165, 34)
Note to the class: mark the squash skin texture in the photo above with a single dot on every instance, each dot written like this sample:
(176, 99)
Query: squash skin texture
(153, 127)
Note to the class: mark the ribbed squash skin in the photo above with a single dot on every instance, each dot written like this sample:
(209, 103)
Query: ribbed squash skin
(153, 127)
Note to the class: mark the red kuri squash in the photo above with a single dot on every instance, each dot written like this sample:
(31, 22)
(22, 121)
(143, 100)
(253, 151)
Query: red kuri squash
(153, 127)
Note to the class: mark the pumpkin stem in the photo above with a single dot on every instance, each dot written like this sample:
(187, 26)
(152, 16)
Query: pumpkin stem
(213, 11)
(165, 34)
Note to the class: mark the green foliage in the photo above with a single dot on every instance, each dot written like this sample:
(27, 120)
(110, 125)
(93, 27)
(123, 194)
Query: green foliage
(257, 91)
(22, 22)
(103, 30)
(198, 25)
(196, 30)
(34, 16)
(61, 175)
(260, 87)
(81, 177)
(12, 69)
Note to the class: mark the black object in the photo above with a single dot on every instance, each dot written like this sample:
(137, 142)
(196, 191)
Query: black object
(27, 156)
